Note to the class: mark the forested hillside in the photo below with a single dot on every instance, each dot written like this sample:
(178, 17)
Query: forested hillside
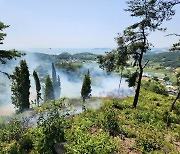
(166, 59)
(65, 56)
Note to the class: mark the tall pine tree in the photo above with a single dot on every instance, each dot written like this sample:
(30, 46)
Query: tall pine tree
(20, 87)
(134, 43)
(49, 90)
(38, 87)
(56, 82)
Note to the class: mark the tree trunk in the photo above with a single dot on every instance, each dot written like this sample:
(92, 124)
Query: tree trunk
(138, 89)
(83, 99)
(173, 103)
(141, 69)
(120, 82)
(83, 106)
(37, 100)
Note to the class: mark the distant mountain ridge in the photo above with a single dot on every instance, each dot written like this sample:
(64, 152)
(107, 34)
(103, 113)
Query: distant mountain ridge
(157, 50)
(64, 55)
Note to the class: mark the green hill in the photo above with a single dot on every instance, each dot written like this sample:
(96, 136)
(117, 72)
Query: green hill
(166, 59)
(114, 128)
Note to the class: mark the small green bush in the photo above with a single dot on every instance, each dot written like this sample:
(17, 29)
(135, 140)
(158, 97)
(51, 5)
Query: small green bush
(111, 121)
(97, 143)
(155, 86)
(149, 140)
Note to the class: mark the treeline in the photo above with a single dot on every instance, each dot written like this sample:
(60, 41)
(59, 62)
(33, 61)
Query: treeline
(166, 59)
(81, 56)
(65, 56)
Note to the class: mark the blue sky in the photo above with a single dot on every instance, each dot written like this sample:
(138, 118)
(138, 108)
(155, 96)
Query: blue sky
(72, 23)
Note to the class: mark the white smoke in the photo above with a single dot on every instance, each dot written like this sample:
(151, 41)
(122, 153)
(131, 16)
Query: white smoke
(103, 85)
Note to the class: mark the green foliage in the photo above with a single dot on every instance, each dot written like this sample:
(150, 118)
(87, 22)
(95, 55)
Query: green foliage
(149, 141)
(113, 60)
(86, 134)
(156, 87)
(20, 87)
(2, 35)
(167, 59)
(81, 56)
(26, 143)
(85, 56)
(132, 79)
(69, 66)
(176, 46)
(105, 130)
(16, 137)
(98, 142)
(86, 86)
(49, 90)
(166, 78)
(51, 129)
(12, 137)
(111, 122)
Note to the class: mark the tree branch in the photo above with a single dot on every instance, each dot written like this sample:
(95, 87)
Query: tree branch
(9, 76)
(145, 64)
(173, 34)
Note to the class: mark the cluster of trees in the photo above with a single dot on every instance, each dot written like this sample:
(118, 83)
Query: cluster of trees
(21, 87)
(52, 87)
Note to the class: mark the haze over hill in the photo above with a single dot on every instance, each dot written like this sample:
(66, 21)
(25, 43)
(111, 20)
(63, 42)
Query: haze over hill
(103, 85)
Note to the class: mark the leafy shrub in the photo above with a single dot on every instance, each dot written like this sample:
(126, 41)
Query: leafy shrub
(13, 130)
(144, 116)
(149, 140)
(155, 87)
(26, 143)
(11, 134)
(50, 129)
(81, 142)
(111, 121)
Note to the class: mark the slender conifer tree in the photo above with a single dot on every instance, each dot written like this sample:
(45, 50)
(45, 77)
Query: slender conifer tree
(20, 87)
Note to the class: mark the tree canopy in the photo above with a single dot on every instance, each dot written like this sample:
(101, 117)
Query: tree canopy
(49, 90)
